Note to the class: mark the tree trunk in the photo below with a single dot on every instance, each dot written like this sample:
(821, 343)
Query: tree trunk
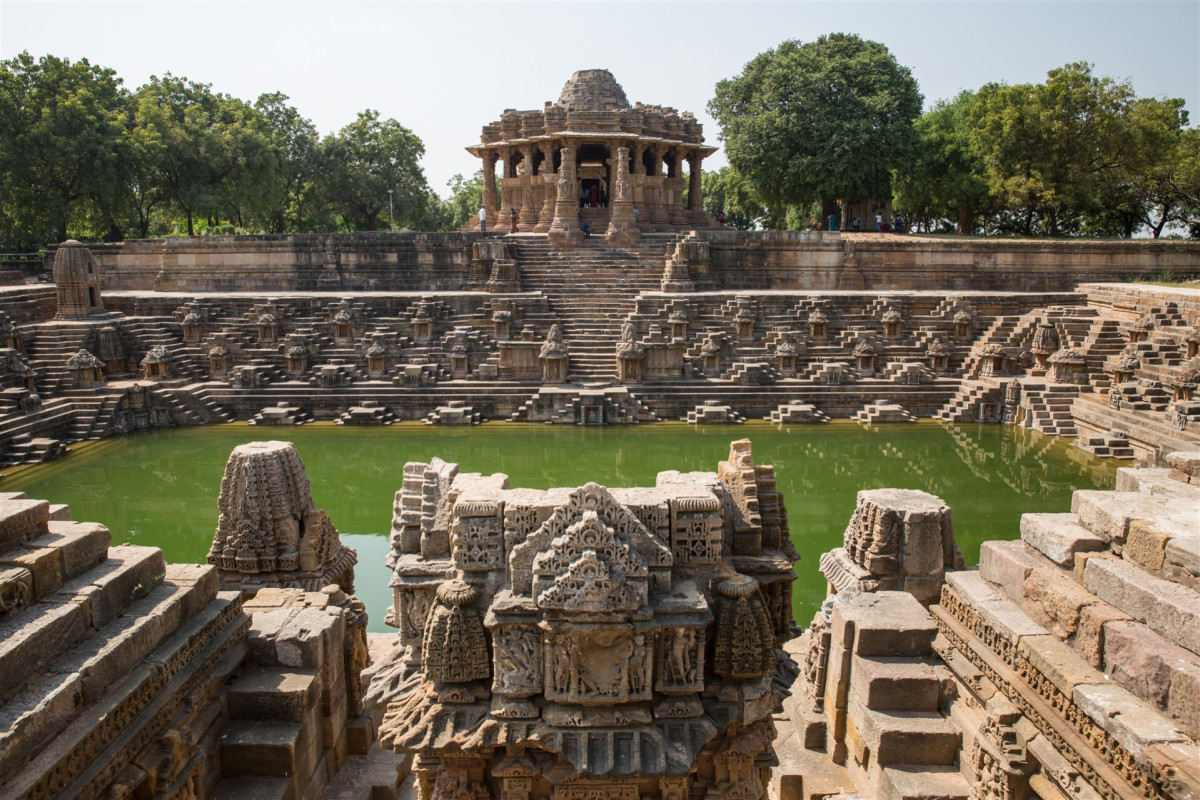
(191, 229)
(966, 221)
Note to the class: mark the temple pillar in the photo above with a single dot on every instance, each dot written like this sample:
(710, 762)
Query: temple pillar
(489, 189)
(655, 191)
(529, 208)
(621, 228)
(639, 167)
(548, 180)
(564, 230)
(675, 211)
(695, 187)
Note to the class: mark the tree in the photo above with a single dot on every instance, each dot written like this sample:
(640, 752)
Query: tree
(366, 159)
(207, 154)
(62, 133)
(819, 121)
(725, 190)
(1059, 151)
(946, 178)
(295, 145)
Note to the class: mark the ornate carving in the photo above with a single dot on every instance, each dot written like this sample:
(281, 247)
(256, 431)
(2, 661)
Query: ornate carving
(455, 647)
(745, 646)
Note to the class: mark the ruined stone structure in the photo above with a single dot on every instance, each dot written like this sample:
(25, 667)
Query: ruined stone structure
(592, 156)
(1066, 666)
(588, 642)
(78, 281)
(124, 677)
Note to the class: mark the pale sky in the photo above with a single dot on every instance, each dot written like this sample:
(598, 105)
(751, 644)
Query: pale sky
(444, 69)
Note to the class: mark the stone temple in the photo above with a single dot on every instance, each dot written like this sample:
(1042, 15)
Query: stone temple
(590, 642)
(592, 156)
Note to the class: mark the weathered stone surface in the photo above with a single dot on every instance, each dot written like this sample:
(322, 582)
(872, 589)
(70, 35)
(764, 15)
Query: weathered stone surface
(1008, 563)
(1146, 545)
(1129, 720)
(82, 545)
(1181, 561)
(1089, 636)
(893, 684)
(273, 694)
(262, 748)
(1145, 663)
(44, 563)
(27, 642)
(1186, 462)
(1108, 514)
(1058, 537)
(884, 624)
(1170, 610)
(1055, 601)
(904, 737)
(923, 783)
(1061, 665)
(22, 520)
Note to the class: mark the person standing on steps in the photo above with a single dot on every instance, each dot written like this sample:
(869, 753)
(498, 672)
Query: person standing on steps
(586, 227)
(483, 219)
(512, 220)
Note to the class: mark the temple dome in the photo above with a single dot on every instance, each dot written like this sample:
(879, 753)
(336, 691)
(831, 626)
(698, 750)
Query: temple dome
(593, 90)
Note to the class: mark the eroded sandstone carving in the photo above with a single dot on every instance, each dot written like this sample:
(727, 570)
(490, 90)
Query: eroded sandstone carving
(269, 533)
(588, 642)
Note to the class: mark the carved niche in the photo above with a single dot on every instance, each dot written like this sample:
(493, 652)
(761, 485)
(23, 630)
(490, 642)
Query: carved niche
(455, 647)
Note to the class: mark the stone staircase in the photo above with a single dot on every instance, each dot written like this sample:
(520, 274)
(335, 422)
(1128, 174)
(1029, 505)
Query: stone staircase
(1048, 407)
(591, 289)
(965, 405)
(103, 650)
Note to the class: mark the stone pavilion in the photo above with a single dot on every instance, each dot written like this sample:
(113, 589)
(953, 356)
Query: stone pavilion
(592, 156)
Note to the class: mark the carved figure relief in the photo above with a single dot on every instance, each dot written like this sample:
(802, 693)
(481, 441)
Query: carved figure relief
(745, 646)
(455, 647)
(518, 651)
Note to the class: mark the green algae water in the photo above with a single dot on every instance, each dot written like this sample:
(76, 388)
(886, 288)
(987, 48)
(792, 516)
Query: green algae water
(160, 488)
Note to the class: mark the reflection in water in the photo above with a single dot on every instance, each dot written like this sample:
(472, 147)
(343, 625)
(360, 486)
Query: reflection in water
(160, 488)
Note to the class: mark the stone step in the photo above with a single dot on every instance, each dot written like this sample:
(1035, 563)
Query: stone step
(1167, 608)
(923, 783)
(266, 749)
(122, 714)
(894, 684)
(264, 693)
(21, 520)
(892, 738)
(1059, 537)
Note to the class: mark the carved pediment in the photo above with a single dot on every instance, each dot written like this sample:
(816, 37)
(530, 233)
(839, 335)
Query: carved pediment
(628, 532)
(589, 569)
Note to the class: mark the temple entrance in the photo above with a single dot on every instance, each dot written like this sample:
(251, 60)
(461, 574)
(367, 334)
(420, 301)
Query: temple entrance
(592, 193)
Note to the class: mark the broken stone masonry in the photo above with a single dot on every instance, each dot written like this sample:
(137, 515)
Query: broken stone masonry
(591, 642)
(588, 642)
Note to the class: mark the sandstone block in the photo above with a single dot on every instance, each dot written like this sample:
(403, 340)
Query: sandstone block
(972, 588)
(22, 520)
(83, 545)
(1005, 620)
(1183, 701)
(1181, 561)
(28, 719)
(273, 694)
(892, 684)
(1128, 719)
(45, 563)
(261, 748)
(1171, 610)
(129, 574)
(1061, 665)
(1089, 637)
(923, 783)
(1146, 546)
(905, 737)
(1144, 662)
(1107, 514)
(1135, 479)
(1008, 563)
(1055, 601)
(309, 638)
(1177, 769)
(884, 624)
(1058, 537)
(1186, 462)
(27, 642)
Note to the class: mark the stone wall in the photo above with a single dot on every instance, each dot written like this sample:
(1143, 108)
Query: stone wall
(772, 260)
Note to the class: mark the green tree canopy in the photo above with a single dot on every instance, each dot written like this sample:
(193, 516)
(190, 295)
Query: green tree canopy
(62, 139)
(818, 121)
(946, 178)
(726, 191)
(1056, 151)
(366, 159)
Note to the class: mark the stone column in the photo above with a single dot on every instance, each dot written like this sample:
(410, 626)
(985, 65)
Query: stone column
(489, 189)
(695, 188)
(565, 228)
(548, 180)
(621, 229)
(654, 189)
(529, 209)
(675, 211)
(639, 168)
